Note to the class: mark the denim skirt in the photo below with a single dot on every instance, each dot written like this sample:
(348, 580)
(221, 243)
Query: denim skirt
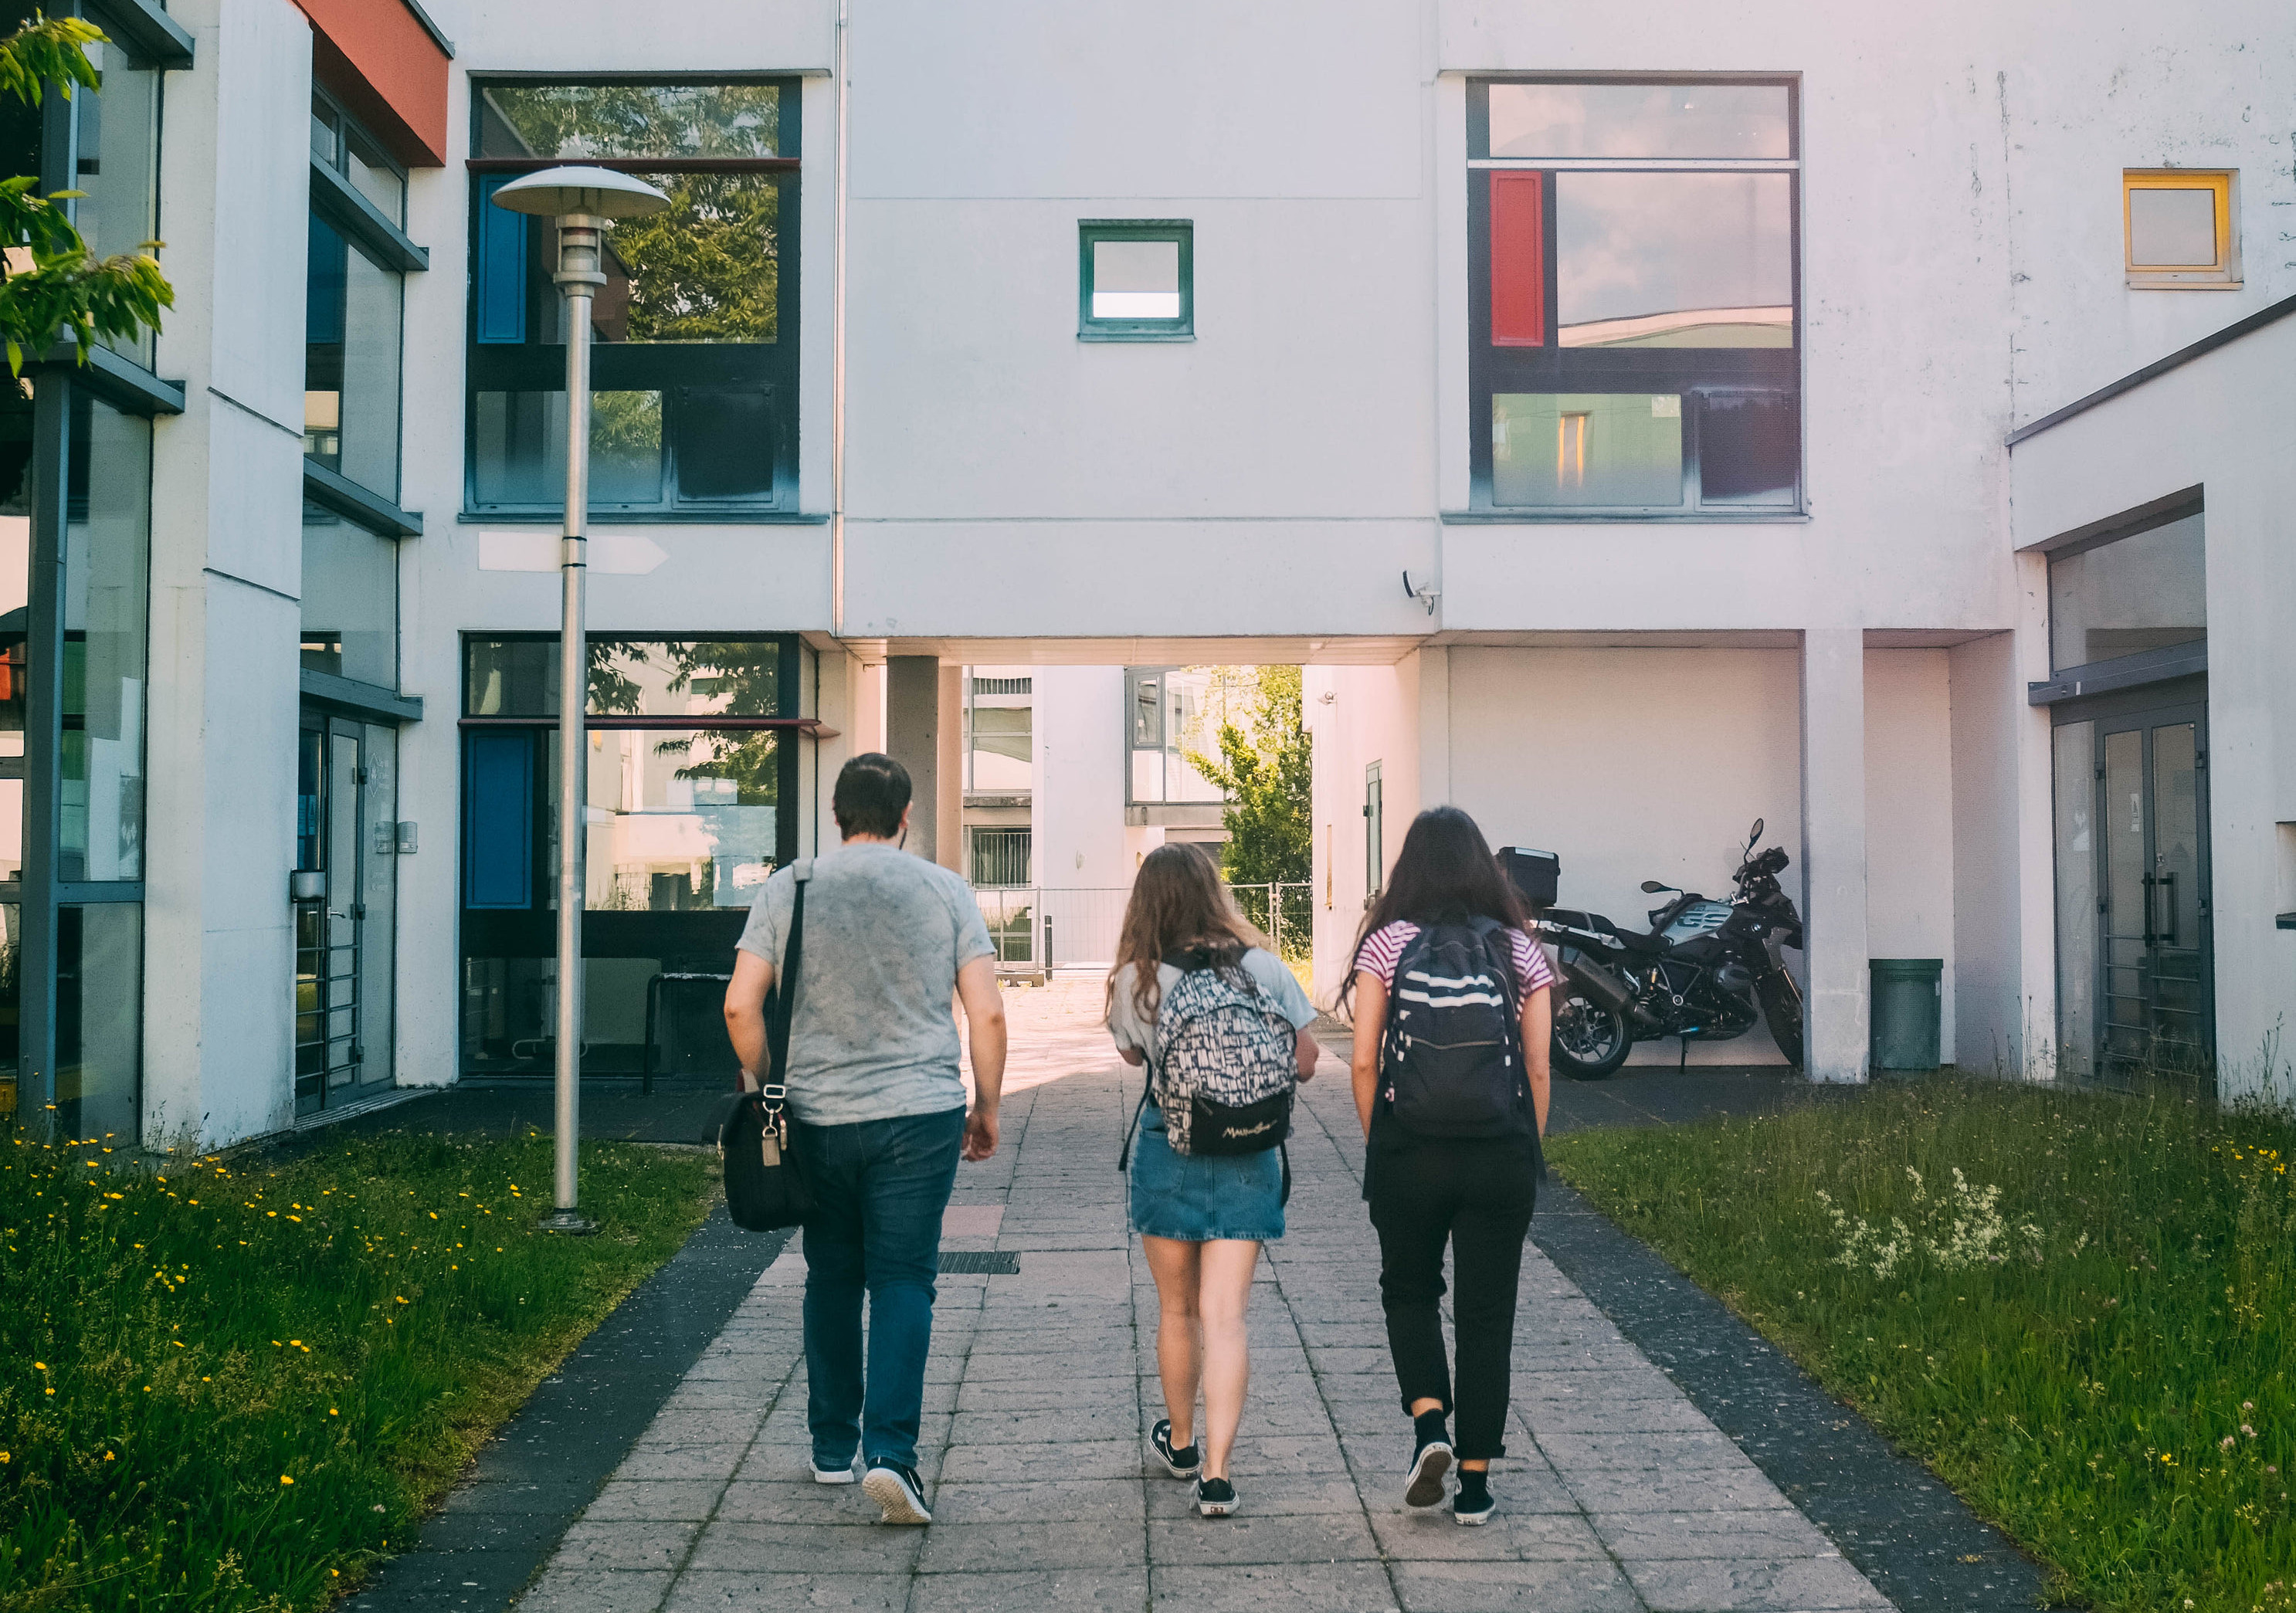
(1196, 1198)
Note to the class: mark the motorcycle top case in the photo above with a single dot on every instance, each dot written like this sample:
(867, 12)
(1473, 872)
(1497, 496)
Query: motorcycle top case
(1538, 875)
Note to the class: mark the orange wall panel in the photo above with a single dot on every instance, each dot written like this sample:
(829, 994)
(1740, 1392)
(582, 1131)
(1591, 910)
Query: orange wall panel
(381, 63)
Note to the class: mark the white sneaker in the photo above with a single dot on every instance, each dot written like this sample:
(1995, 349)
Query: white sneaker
(821, 1475)
(897, 1491)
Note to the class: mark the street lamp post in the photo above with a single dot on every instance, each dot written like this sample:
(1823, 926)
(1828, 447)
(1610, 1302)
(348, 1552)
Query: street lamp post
(583, 200)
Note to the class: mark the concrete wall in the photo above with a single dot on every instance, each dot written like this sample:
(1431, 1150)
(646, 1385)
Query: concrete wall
(1909, 817)
(1373, 714)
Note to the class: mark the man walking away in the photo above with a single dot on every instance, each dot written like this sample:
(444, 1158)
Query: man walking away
(879, 1109)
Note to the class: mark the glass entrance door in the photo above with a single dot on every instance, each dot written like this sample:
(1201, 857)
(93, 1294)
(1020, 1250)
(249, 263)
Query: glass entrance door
(2155, 1009)
(343, 919)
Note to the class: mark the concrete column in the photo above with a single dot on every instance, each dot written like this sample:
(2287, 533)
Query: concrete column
(912, 724)
(1432, 713)
(227, 576)
(948, 774)
(1833, 850)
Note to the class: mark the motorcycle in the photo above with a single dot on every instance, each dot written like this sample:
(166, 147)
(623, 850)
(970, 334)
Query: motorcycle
(1697, 973)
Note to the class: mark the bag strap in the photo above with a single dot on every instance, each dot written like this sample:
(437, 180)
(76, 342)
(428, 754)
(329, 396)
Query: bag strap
(1124, 1155)
(775, 1090)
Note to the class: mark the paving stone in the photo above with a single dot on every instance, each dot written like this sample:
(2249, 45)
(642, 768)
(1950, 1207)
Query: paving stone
(1780, 1534)
(1739, 1585)
(1345, 1587)
(668, 1500)
(595, 1593)
(825, 1548)
(683, 1460)
(599, 1543)
(1601, 1490)
(711, 1590)
(1093, 1459)
(1512, 1536)
(1006, 1543)
(1507, 1587)
(1249, 1535)
(794, 1500)
(1049, 1500)
(1084, 1422)
(1270, 1495)
(1668, 1451)
(1005, 1592)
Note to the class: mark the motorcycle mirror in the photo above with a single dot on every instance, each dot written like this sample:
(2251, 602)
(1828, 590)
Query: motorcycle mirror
(1755, 833)
(1652, 888)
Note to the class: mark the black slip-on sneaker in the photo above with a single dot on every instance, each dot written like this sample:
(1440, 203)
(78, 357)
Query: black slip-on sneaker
(1215, 1497)
(837, 1474)
(896, 1490)
(1423, 1486)
(1472, 1506)
(1182, 1463)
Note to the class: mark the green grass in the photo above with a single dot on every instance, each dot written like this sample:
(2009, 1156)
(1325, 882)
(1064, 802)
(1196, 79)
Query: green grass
(232, 1384)
(2100, 1363)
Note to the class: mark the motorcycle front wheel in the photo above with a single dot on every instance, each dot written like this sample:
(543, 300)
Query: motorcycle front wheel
(1781, 1001)
(1589, 1041)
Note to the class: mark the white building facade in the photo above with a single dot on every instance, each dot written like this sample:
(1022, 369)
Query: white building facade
(1612, 411)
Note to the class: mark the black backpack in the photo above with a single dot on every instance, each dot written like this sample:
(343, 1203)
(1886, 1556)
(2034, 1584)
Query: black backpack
(1451, 1055)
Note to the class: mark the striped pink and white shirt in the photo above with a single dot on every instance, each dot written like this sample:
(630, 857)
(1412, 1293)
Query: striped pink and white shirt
(1383, 949)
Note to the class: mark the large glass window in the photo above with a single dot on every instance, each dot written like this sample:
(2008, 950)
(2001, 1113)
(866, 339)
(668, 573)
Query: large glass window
(696, 375)
(1174, 711)
(2142, 593)
(350, 362)
(1634, 297)
(117, 156)
(107, 572)
(350, 600)
(691, 784)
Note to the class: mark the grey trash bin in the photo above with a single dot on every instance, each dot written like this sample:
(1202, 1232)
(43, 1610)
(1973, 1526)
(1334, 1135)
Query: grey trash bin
(1908, 995)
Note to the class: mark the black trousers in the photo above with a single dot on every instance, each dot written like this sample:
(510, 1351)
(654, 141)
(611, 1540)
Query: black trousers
(1477, 1196)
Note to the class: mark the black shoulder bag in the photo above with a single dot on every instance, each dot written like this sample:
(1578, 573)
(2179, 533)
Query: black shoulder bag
(765, 1182)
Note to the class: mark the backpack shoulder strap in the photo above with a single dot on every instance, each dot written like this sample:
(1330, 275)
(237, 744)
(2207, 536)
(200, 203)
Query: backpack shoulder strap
(777, 1022)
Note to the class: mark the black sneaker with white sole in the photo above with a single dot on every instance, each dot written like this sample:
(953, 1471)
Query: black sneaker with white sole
(897, 1490)
(1430, 1459)
(1472, 1506)
(1183, 1462)
(1215, 1497)
(833, 1475)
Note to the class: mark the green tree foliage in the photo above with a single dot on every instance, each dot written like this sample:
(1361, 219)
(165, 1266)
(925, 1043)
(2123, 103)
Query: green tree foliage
(704, 269)
(53, 285)
(1263, 768)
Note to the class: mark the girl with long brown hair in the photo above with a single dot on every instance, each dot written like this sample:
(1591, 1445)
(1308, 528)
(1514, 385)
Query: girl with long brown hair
(1201, 1217)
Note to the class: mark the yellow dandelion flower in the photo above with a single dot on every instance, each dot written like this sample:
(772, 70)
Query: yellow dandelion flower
(284, 1479)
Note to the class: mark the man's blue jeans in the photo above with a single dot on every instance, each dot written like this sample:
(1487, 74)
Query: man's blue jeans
(879, 1189)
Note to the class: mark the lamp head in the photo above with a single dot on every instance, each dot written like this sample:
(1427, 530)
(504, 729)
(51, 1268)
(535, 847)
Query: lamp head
(600, 192)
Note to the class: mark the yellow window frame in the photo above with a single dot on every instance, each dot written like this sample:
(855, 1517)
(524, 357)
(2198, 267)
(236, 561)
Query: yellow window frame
(2224, 274)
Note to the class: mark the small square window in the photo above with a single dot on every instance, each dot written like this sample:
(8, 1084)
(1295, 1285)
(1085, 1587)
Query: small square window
(1135, 280)
(2179, 228)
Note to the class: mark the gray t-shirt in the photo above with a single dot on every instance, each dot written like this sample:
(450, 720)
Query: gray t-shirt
(873, 1036)
(1273, 974)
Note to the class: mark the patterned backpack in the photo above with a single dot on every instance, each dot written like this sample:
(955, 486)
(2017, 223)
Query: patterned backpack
(1224, 1069)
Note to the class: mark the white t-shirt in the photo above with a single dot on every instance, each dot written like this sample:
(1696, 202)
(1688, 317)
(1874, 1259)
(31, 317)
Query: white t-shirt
(1273, 976)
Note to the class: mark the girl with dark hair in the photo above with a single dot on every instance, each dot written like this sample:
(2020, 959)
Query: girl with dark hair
(1201, 1217)
(1455, 1159)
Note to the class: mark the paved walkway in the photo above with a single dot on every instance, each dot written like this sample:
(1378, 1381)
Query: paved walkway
(1619, 1495)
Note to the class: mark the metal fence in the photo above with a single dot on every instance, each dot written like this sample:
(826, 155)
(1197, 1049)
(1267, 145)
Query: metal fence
(1048, 927)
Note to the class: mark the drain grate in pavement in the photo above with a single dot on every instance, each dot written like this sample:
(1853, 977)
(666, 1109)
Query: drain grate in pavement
(1000, 1262)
